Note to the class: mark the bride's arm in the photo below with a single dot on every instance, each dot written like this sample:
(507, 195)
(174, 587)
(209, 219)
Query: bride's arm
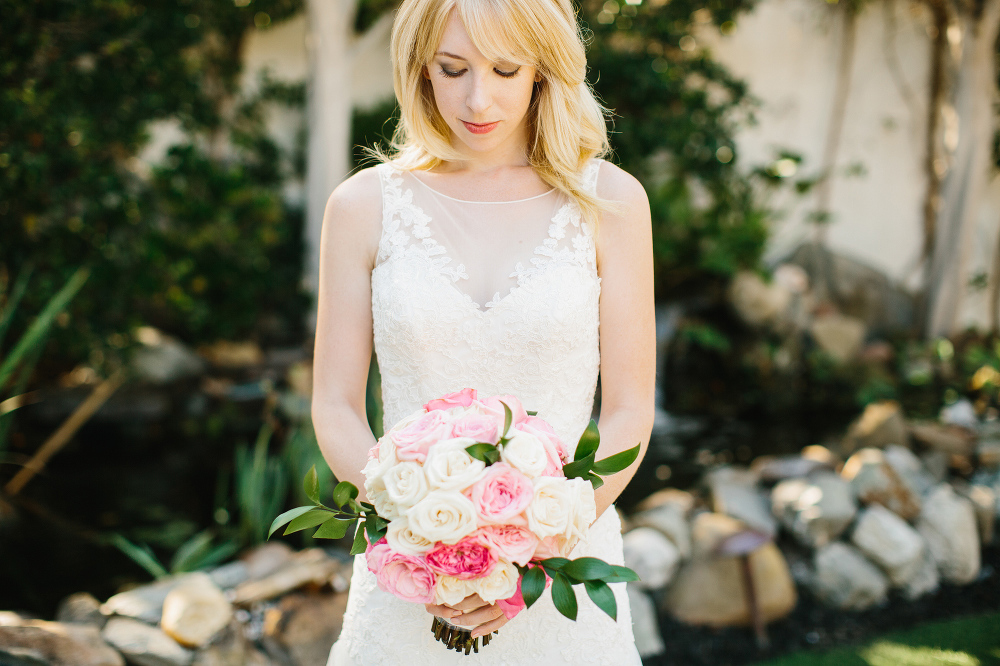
(349, 242)
(628, 326)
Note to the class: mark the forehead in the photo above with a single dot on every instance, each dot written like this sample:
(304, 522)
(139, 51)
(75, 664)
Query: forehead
(482, 34)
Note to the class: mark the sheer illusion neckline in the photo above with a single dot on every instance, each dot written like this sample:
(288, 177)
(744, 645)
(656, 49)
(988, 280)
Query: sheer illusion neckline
(492, 203)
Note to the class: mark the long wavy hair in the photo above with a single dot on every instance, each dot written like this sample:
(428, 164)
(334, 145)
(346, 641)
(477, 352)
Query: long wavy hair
(566, 123)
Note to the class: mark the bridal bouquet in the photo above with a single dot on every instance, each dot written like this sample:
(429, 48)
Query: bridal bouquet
(474, 496)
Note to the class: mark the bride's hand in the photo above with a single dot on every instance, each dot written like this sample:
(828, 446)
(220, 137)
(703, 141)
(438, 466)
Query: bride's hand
(473, 613)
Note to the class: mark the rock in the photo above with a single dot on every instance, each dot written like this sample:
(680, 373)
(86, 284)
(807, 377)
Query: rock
(230, 648)
(878, 426)
(909, 469)
(771, 469)
(735, 493)
(670, 519)
(936, 464)
(142, 603)
(758, 302)
(984, 500)
(267, 558)
(845, 579)
(645, 623)
(144, 645)
(948, 523)
(838, 335)
(230, 354)
(874, 481)
(162, 359)
(195, 610)
(22, 657)
(308, 566)
(988, 453)
(890, 542)
(821, 454)
(961, 413)
(708, 590)
(815, 510)
(651, 555)
(306, 625)
(926, 580)
(681, 498)
(81, 608)
(951, 439)
(55, 643)
(230, 575)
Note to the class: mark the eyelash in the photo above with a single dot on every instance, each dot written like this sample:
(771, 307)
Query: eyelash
(506, 75)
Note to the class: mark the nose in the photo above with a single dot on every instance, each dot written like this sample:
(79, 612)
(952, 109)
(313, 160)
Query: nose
(480, 96)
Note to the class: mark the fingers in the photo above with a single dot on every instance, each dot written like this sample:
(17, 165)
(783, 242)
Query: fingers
(490, 627)
(471, 602)
(442, 611)
(477, 617)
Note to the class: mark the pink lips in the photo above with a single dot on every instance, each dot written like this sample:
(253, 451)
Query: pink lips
(480, 129)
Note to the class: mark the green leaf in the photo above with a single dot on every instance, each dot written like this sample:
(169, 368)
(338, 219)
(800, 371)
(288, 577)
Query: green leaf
(601, 594)
(307, 520)
(621, 575)
(554, 563)
(287, 516)
(141, 555)
(532, 585)
(360, 545)
(595, 480)
(587, 568)
(617, 462)
(334, 528)
(532, 412)
(343, 492)
(488, 453)
(563, 596)
(191, 551)
(368, 507)
(310, 485)
(16, 294)
(589, 441)
(508, 417)
(375, 527)
(579, 468)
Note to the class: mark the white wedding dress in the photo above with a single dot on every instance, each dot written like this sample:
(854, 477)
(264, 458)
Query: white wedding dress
(535, 338)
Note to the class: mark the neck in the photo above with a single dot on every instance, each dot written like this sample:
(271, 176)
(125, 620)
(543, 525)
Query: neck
(511, 154)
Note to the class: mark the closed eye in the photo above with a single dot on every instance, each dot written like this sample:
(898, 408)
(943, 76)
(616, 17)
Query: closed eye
(455, 74)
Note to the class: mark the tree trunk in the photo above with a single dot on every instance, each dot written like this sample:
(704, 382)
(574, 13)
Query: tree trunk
(972, 97)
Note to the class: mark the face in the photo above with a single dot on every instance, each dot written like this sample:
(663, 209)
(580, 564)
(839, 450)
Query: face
(484, 103)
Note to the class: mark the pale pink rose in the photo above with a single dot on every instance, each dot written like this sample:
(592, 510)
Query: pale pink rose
(492, 406)
(406, 577)
(502, 494)
(413, 441)
(552, 546)
(514, 542)
(554, 448)
(479, 427)
(376, 552)
(514, 605)
(469, 558)
(462, 398)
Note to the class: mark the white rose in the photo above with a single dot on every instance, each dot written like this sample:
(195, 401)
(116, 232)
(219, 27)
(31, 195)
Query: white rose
(501, 583)
(584, 507)
(387, 450)
(443, 515)
(450, 467)
(451, 590)
(404, 540)
(525, 452)
(376, 468)
(407, 420)
(406, 484)
(552, 507)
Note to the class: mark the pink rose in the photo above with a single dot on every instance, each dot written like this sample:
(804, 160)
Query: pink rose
(552, 546)
(462, 398)
(493, 406)
(514, 605)
(413, 441)
(406, 577)
(469, 558)
(376, 553)
(502, 494)
(512, 542)
(479, 427)
(554, 448)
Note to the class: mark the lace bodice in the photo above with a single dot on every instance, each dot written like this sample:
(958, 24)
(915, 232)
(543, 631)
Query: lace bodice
(536, 337)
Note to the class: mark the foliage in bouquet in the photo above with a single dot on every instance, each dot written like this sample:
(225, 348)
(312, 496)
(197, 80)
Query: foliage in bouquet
(474, 497)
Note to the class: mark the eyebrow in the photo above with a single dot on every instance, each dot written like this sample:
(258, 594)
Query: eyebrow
(450, 55)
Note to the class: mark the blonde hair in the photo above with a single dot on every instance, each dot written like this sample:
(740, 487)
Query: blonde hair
(566, 123)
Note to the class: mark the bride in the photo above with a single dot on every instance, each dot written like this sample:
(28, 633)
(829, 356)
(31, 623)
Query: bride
(494, 250)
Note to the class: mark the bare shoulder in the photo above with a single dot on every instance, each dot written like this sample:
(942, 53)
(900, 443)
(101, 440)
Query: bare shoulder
(616, 184)
(354, 212)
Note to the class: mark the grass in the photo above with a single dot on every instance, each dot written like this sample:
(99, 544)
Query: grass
(972, 641)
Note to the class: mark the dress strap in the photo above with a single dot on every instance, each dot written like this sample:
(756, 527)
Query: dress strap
(590, 173)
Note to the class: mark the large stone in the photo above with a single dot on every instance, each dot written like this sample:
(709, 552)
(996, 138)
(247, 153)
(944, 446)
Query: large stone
(55, 643)
(838, 335)
(709, 589)
(266, 559)
(670, 518)
(988, 453)
(948, 523)
(306, 625)
(162, 359)
(652, 556)
(874, 481)
(195, 611)
(926, 580)
(881, 424)
(961, 413)
(81, 608)
(771, 469)
(816, 510)
(230, 575)
(845, 579)
(682, 499)
(645, 623)
(142, 603)
(947, 438)
(311, 566)
(735, 493)
(984, 500)
(144, 645)
(909, 468)
(757, 302)
(890, 542)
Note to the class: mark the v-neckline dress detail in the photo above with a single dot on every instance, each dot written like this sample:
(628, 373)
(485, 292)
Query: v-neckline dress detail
(536, 338)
